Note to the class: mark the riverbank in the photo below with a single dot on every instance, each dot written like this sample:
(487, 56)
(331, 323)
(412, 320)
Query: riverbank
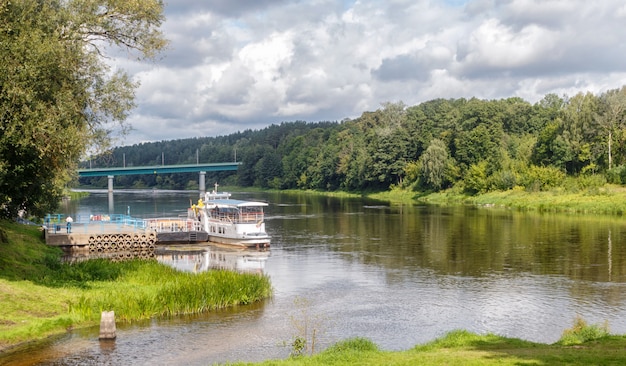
(606, 200)
(40, 296)
(464, 348)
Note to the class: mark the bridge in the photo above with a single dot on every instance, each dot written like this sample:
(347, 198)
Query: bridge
(159, 169)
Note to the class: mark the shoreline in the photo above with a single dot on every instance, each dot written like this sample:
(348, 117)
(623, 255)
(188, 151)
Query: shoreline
(608, 200)
(42, 297)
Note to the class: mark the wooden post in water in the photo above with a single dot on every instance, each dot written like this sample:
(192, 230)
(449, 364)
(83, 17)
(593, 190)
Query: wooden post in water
(107, 325)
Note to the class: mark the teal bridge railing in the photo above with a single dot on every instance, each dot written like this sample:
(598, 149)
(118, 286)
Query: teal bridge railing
(159, 169)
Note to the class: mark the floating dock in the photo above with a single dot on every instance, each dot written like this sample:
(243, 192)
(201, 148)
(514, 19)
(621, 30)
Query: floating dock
(100, 238)
(118, 233)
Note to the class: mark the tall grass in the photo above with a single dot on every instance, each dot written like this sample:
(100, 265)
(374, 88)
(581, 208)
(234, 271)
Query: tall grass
(582, 332)
(153, 289)
(74, 195)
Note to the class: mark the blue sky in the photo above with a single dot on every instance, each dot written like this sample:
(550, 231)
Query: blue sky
(235, 65)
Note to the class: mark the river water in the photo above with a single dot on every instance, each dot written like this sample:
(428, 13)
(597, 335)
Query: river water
(399, 275)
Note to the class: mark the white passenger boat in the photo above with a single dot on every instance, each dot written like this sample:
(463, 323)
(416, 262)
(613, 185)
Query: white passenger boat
(230, 221)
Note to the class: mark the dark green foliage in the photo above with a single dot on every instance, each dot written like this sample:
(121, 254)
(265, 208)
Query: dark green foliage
(475, 145)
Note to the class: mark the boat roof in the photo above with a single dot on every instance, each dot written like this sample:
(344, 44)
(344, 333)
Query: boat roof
(234, 203)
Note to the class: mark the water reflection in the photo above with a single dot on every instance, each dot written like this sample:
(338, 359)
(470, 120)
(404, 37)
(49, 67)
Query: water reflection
(203, 258)
(114, 256)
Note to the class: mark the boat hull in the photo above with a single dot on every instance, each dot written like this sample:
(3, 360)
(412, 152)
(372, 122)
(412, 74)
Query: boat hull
(183, 237)
(261, 242)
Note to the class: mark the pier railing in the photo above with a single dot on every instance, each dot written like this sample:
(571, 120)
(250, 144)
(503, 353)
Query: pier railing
(182, 224)
(56, 223)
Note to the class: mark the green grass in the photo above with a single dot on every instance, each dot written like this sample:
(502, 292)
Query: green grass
(74, 195)
(606, 200)
(40, 296)
(145, 289)
(464, 348)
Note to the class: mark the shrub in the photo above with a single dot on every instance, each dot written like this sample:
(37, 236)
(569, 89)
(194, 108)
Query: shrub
(589, 183)
(540, 178)
(503, 180)
(582, 332)
(592, 181)
(616, 175)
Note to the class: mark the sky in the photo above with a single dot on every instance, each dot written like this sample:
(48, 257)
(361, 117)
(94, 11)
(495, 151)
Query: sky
(247, 64)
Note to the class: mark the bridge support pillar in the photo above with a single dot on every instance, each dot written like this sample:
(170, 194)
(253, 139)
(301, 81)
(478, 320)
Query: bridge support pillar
(110, 183)
(201, 183)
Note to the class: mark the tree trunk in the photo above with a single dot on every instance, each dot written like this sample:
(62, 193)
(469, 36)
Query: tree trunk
(610, 157)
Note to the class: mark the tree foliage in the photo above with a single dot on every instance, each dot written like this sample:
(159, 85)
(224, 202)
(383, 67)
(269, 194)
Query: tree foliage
(58, 98)
(475, 145)
(434, 163)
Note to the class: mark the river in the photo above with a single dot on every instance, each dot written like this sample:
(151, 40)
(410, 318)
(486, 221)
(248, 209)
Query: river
(399, 275)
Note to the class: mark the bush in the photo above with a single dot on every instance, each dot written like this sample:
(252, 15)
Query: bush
(616, 175)
(589, 183)
(593, 181)
(582, 332)
(503, 180)
(540, 178)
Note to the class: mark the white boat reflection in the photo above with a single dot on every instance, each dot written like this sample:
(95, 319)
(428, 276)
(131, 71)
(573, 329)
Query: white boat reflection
(203, 258)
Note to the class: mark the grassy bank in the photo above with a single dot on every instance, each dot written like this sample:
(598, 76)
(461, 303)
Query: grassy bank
(75, 195)
(606, 200)
(464, 348)
(40, 296)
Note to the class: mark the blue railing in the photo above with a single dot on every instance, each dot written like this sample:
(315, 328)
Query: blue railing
(82, 223)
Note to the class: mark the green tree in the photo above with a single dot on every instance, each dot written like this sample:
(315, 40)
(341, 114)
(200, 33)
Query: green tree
(612, 117)
(354, 160)
(433, 164)
(579, 130)
(476, 178)
(476, 145)
(267, 169)
(57, 96)
(547, 150)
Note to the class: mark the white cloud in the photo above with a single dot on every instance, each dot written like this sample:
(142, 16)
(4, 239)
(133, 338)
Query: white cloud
(238, 65)
(494, 46)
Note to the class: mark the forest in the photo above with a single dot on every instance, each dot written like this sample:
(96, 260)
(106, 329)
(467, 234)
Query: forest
(471, 145)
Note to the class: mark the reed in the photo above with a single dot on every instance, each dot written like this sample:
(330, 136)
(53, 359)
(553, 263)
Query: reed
(154, 289)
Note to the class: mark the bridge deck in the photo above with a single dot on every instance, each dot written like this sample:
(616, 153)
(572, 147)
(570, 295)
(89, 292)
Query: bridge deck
(159, 169)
